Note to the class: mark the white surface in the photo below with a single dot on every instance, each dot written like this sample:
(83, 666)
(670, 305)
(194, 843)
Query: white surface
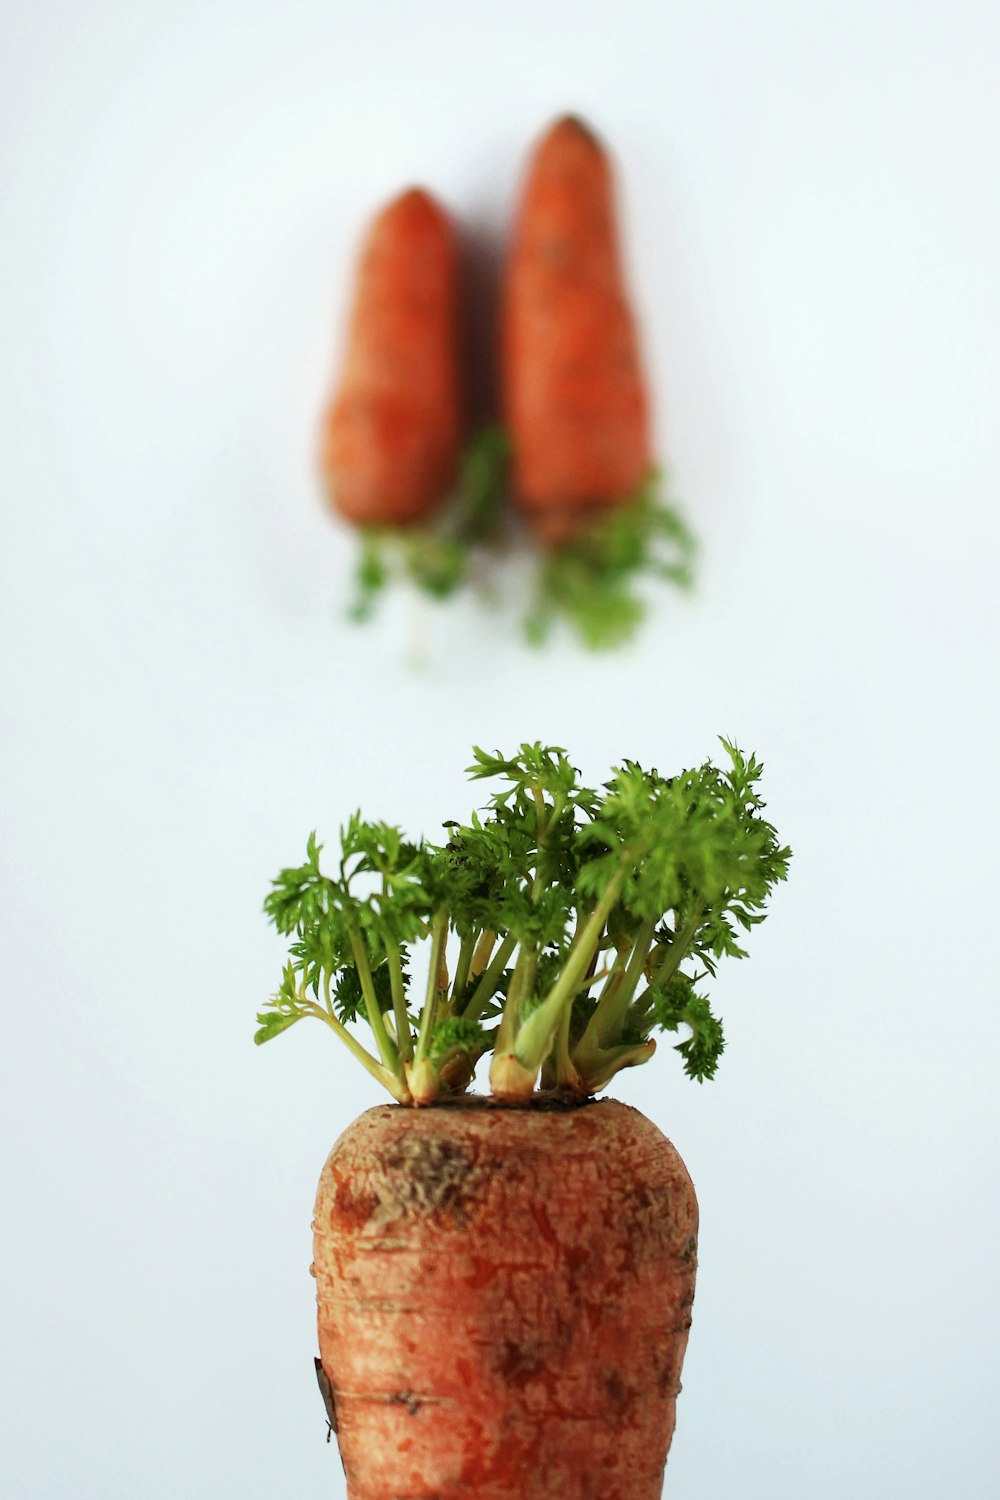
(813, 226)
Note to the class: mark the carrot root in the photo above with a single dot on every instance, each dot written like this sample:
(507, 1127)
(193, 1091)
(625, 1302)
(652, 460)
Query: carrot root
(391, 436)
(504, 1300)
(574, 391)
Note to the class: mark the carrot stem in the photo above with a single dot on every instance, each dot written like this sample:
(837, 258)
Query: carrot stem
(439, 932)
(535, 1036)
(521, 984)
(600, 1064)
(388, 1079)
(676, 952)
(485, 944)
(386, 1047)
(613, 1005)
(564, 1071)
(465, 953)
(404, 1041)
(484, 990)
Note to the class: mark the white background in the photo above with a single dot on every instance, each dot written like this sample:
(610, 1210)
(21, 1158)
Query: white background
(810, 193)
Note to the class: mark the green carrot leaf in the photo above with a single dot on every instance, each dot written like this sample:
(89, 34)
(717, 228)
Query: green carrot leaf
(583, 919)
(590, 579)
(271, 1024)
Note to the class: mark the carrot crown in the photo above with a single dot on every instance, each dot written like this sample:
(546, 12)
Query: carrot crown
(562, 925)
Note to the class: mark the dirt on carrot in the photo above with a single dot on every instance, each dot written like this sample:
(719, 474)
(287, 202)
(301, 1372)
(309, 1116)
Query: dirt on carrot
(392, 433)
(504, 1300)
(574, 392)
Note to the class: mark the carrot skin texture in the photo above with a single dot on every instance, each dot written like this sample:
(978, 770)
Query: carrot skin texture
(504, 1300)
(575, 397)
(392, 433)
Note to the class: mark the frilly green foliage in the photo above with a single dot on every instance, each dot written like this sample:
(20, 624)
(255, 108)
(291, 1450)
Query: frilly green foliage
(580, 922)
(436, 555)
(590, 581)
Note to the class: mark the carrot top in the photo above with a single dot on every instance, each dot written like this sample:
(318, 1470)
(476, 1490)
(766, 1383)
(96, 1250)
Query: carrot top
(590, 581)
(436, 555)
(579, 921)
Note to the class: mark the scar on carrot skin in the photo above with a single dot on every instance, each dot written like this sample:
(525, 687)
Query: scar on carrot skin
(422, 1177)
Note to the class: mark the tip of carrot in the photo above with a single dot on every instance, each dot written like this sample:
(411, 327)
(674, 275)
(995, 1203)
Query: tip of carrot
(415, 194)
(414, 202)
(570, 124)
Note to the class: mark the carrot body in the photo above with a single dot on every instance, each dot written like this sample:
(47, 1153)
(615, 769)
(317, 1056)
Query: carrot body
(574, 394)
(391, 436)
(504, 1301)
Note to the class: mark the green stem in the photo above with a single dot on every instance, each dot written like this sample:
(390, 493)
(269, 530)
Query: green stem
(534, 1037)
(486, 987)
(465, 952)
(386, 1047)
(538, 798)
(600, 1064)
(439, 932)
(485, 944)
(640, 1009)
(404, 1041)
(564, 1073)
(385, 1076)
(614, 1002)
(601, 974)
(675, 953)
(521, 984)
(614, 978)
(543, 827)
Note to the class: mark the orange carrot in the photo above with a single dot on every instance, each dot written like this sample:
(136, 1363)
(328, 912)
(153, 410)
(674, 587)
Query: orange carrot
(574, 395)
(504, 1300)
(391, 436)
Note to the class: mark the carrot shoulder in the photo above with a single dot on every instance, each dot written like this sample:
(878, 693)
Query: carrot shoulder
(574, 392)
(391, 435)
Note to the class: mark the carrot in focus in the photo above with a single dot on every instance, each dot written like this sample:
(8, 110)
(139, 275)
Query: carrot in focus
(504, 1298)
(574, 393)
(391, 436)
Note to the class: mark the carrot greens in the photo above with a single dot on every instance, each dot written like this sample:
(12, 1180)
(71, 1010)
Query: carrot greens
(436, 556)
(589, 580)
(563, 926)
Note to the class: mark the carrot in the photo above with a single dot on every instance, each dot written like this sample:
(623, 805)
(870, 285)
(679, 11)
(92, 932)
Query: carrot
(504, 1283)
(504, 1301)
(575, 398)
(391, 435)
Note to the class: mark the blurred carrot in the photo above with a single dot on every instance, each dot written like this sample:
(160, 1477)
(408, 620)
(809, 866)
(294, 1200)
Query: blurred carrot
(391, 436)
(575, 399)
